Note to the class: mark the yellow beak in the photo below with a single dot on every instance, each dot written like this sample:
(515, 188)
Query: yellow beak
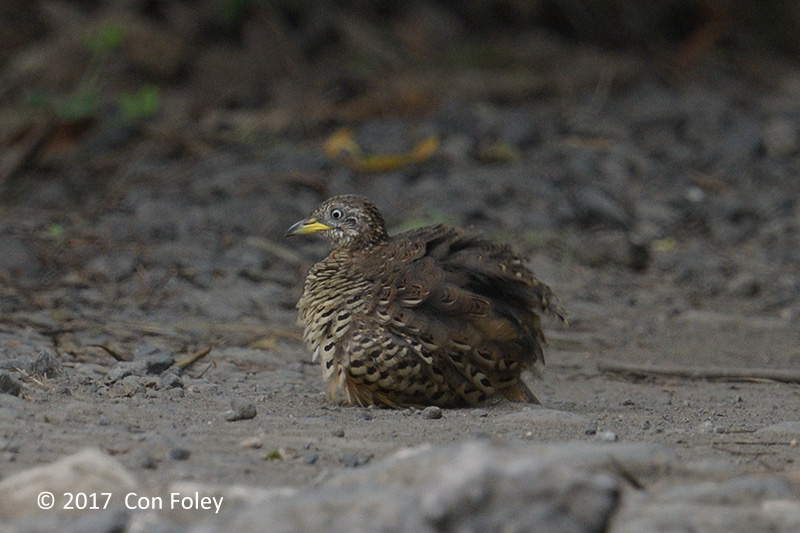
(309, 225)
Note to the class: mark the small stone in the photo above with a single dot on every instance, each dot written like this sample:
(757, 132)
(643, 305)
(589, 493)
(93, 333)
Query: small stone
(353, 460)
(480, 413)
(251, 442)
(745, 285)
(338, 432)
(126, 388)
(432, 412)
(171, 381)
(241, 409)
(159, 362)
(9, 384)
(310, 458)
(175, 393)
(144, 459)
(118, 372)
(607, 436)
(645, 424)
(707, 427)
(179, 454)
(627, 401)
(46, 364)
(365, 415)
(591, 428)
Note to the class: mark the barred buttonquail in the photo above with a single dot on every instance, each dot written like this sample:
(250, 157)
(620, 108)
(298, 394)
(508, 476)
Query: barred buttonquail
(431, 316)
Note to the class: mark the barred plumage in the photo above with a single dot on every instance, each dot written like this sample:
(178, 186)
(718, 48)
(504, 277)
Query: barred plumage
(431, 316)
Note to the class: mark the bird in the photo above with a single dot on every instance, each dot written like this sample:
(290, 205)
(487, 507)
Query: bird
(431, 316)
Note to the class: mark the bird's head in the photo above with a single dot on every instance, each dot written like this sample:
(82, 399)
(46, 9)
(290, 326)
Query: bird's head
(348, 221)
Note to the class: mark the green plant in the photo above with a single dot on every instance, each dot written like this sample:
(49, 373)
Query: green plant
(84, 101)
(105, 40)
(140, 105)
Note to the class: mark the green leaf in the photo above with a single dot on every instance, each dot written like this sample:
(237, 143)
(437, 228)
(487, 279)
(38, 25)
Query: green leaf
(139, 105)
(105, 39)
(55, 229)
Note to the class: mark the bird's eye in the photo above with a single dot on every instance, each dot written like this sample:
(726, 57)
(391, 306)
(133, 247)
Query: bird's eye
(336, 214)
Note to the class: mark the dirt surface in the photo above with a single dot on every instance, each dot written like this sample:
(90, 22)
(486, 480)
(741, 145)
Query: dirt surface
(664, 215)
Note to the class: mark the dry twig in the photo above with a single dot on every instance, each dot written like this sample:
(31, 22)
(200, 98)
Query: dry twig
(725, 374)
(187, 361)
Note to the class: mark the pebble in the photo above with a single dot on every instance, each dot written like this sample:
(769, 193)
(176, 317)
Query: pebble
(118, 372)
(158, 363)
(170, 381)
(175, 393)
(9, 384)
(607, 436)
(251, 442)
(127, 387)
(432, 412)
(591, 428)
(310, 458)
(241, 409)
(338, 432)
(480, 413)
(144, 459)
(744, 285)
(353, 460)
(46, 364)
(179, 454)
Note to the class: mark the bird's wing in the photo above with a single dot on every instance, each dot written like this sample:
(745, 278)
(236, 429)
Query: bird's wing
(458, 312)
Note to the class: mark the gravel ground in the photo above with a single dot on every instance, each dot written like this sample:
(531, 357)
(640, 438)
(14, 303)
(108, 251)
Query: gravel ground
(665, 216)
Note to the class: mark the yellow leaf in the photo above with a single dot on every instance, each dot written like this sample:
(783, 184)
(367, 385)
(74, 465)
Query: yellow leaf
(341, 147)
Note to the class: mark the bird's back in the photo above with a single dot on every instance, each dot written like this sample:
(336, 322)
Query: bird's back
(440, 318)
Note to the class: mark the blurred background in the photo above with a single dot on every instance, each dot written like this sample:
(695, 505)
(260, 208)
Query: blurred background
(610, 132)
(166, 78)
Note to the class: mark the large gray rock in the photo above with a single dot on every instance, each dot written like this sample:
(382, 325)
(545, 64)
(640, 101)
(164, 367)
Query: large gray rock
(477, 486)
(89, 471)
(738, 505)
